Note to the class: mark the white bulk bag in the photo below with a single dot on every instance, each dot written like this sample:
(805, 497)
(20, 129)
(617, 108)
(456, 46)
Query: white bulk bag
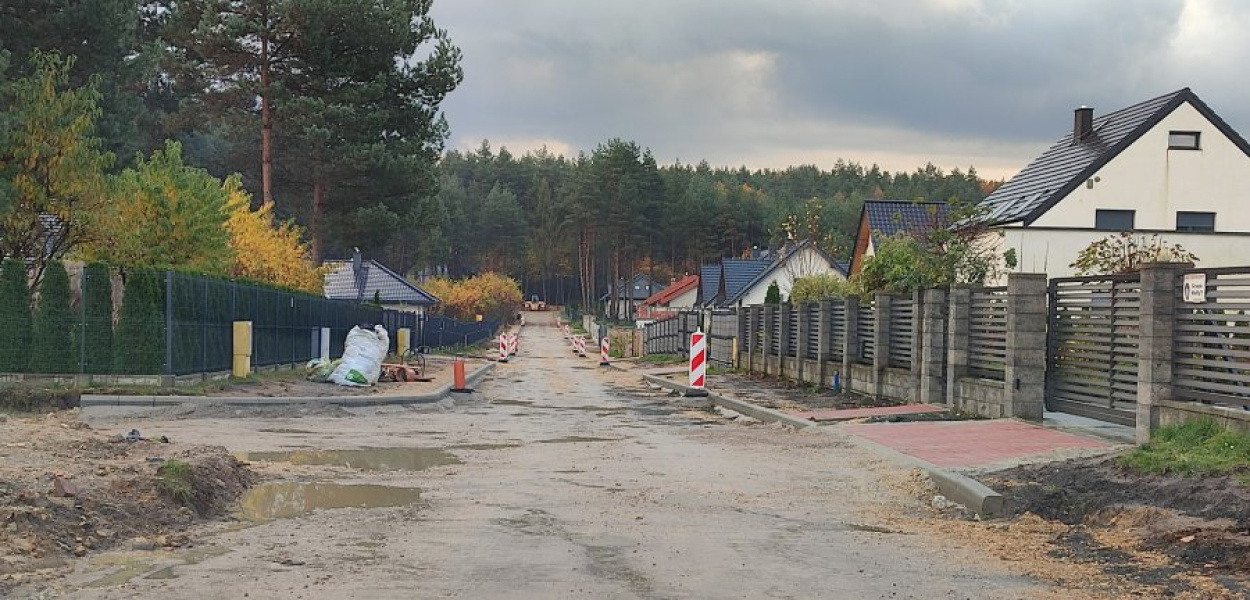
(363, 353)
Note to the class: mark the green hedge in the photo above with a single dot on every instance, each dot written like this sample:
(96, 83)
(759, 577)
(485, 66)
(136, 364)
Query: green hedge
(97, 312)
(139, 341)
(15, 325)
(51, 349)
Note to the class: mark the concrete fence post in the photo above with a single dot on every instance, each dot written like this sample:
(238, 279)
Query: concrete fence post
(881, 342)
(1156, 342)
(770, 332)
(1025, 380)
(823, 322)
(801, 343)
(742, 315)
(850, 346)
(929, 354)
(959, 305)
(784, 341)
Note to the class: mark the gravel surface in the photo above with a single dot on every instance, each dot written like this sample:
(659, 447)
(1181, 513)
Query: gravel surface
(572, 481)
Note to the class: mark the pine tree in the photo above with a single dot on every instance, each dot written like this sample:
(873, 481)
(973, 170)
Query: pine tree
(14, 317)
(51, 348)
(139, 344)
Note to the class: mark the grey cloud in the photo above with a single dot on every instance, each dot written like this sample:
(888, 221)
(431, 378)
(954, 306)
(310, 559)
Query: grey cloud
(733, 76)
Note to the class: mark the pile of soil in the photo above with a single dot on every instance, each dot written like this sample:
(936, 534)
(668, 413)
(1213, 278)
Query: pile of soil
(789, 396)
(1114, 514)
(67, 490)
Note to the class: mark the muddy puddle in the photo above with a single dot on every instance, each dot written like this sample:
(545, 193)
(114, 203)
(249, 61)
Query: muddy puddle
(365, 459)
(292, 499)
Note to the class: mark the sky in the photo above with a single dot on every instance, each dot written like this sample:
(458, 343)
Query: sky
(988, 84)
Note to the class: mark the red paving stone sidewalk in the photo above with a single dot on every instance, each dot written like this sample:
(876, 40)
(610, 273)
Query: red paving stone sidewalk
(846, 414)
(970, 443)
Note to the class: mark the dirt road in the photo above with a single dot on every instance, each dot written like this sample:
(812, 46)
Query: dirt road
(557, 480)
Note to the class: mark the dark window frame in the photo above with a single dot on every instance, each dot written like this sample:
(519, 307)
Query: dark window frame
(1191, 228)
(1197, 136)
(1112, 213)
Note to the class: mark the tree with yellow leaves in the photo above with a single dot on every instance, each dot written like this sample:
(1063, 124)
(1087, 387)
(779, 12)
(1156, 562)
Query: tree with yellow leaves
(266, 249)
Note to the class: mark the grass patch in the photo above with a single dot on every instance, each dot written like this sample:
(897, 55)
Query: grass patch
(177, 480)
(659, 359)
(1201, 447)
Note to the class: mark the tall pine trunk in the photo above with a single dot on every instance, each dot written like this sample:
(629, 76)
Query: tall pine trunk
(266, 114)
(318, 218)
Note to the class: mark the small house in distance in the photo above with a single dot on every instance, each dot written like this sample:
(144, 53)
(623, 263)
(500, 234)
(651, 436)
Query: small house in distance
(881, 218)
(681, 294)
(1167, 166)
(629, 295)
(361, 281)
(737, 282)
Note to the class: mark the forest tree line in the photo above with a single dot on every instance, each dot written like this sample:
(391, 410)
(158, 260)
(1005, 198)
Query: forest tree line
(567, 227)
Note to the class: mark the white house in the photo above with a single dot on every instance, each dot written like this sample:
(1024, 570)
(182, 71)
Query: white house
(794, 261)
(1167, 166)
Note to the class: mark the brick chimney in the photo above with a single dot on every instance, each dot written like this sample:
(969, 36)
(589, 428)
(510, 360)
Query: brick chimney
(1083, 124)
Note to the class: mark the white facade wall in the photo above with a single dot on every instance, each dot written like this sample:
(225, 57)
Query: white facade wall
(685, 299)
(804, 263)
(1155, 183)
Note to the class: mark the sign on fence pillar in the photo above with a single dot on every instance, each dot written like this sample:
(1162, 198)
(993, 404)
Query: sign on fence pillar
(1156, 340)
(698, 364)
(242, 344)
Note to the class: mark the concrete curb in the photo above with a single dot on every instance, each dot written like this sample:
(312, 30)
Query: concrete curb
(970, 493)
(89, 400)
(766, 415)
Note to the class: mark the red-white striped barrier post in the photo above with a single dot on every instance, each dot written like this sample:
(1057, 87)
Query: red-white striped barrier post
(514, 343)
(698, 364)
(503, 347)
(603, 352)
(579, 344)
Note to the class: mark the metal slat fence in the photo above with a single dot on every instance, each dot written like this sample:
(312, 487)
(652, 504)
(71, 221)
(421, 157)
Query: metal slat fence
(902, 323)
(1211, 352)
(445, 332)
(810, 313)
(837, 330)
(792, 332)
(722, 330)
(1093, 339)
(866, 328)
(987, 333)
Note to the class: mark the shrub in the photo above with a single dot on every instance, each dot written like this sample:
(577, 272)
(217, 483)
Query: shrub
(51, 350)
(15, 325)
(773, 295)
(821, 287)
(492, 295)
(139, 343)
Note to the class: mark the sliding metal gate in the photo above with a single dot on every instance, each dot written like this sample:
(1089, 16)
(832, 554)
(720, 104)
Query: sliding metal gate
(1092, 347)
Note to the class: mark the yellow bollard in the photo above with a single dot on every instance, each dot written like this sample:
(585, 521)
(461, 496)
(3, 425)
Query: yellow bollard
(242, 349)
(403, 340)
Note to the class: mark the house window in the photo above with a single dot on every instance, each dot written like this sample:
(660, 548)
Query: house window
(1184, 140)
(1195, 221)
(1114, 220)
